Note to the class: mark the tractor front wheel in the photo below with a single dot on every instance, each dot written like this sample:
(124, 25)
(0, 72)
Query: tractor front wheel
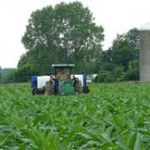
(86, 89)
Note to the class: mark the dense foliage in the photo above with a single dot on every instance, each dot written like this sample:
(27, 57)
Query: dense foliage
(7, 75)
(121, 61)
(65, 33)
(112, 116)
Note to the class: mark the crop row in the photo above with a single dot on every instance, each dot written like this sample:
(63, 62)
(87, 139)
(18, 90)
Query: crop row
(110, 117)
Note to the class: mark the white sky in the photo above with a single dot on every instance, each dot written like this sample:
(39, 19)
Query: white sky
(116, 16)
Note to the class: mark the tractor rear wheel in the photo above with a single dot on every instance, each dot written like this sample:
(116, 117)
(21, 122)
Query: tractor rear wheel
(34, 91)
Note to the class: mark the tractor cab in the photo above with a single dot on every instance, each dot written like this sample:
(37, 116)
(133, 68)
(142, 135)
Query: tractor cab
(63, 75)
(64, 71)
(68, 83)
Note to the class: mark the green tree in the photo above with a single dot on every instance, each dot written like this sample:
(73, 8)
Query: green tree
(7, 75)
(107, 60)
(133, 37)
(23, 74)
(133, 71)
(65, 33)
(122, 52)
(122, 57)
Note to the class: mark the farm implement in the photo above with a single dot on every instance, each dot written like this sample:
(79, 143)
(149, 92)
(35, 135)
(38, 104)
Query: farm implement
(62, 82)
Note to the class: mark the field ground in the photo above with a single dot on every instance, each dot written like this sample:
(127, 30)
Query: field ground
(111, 117)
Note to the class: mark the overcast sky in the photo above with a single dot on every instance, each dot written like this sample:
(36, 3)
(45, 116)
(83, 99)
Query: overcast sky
(116, 17)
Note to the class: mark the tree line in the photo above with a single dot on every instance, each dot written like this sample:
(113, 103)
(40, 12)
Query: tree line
(67, 33)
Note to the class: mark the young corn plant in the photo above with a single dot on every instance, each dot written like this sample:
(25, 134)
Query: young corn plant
(112, 116)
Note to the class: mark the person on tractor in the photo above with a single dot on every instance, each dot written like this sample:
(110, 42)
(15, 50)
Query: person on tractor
(63, 74)
(77, 84)
(49, 88)
(56, 85)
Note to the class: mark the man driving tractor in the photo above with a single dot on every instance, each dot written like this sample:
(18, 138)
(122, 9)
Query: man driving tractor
(77, 84)
(63, 74)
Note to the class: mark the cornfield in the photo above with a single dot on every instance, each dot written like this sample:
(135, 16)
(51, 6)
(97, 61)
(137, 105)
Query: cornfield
(111, 117)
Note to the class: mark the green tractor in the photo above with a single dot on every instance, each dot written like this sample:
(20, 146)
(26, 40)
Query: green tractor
(62, 82)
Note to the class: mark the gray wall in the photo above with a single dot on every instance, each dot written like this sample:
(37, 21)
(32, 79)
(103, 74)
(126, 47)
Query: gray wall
(145, 55)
